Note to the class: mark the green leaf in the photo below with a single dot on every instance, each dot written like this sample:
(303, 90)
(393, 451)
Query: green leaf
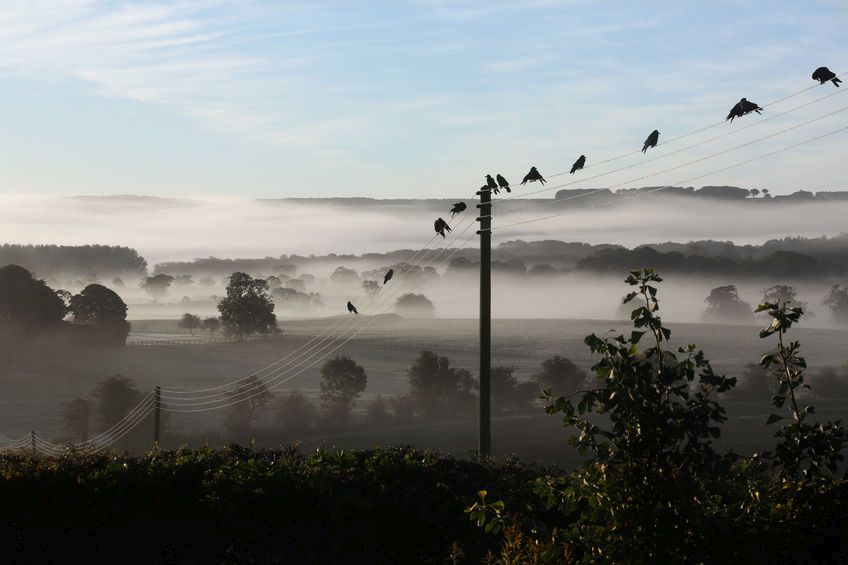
(773, 418)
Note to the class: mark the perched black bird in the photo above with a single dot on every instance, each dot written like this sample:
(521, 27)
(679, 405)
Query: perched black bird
(351, 309)
(457, 208)
(823, 74)
(533, 176)
(503, 183)
(490, 183)
(441, 226)
(578, 164)
(741, 108)
(651, 141)
(388, 276)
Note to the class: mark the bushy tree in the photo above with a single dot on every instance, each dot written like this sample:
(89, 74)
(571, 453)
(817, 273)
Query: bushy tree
(342, 381)
(211, 325)
(836, 300)
(754, 384)
(435, 386)
(343, 275)
(378, 411)
(371, 288)
(415, 306)
(102, 308)
(561, 375)
(112, 399)
(157, 286)
(190, 322)
(27, 302)
(724, 305)
(783, 293)
(508, 393)
(296, 413)
(248, 307)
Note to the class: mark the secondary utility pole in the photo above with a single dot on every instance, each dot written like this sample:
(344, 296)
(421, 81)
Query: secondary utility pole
(484, 413)
(157, 400)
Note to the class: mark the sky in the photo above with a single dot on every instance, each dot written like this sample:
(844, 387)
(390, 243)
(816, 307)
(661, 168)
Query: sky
(401, 99)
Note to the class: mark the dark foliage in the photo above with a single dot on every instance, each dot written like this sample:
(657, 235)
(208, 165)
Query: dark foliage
(382, 506)
(248, 308)
(27, 303)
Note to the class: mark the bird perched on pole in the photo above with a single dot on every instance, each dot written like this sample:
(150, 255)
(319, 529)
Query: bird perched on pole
(503, 183)
(458, 208)
(490, 183)
(388, 276)
(651, 141)
(441, 227)
(351, 309)
(578, 164)
(823, 74)
(533, 176)
(741, 108)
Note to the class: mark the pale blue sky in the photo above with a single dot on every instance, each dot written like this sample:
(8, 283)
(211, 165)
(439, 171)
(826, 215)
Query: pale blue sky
(395, 99)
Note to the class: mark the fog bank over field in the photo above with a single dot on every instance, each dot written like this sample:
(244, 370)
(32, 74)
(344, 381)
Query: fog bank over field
(185, 228)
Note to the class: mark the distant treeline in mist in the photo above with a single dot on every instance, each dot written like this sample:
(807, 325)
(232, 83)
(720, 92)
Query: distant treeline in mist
(720, 192)
(77, 260)
(797, 257)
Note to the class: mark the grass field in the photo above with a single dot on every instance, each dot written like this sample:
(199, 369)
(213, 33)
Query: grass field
(38, 380)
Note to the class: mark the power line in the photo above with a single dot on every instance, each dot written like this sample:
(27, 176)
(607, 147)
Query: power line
(664, 155)
(652, 191)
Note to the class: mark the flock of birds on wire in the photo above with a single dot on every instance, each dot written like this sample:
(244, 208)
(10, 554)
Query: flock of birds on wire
(499, 182)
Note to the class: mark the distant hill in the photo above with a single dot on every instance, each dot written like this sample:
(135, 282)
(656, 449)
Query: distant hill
(74, 260)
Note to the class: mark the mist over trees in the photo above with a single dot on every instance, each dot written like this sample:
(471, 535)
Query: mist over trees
(102, 314)
(724, 305)
(342, 381)
(74, 260)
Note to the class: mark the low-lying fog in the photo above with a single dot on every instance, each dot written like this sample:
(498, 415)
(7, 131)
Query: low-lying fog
(183, 228)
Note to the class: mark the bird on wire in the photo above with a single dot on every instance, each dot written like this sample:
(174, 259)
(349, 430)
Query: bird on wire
(458, 208)
(388, 276)
(533, 176)
(503, 183)
(823, 74)
(351, 309)
(441, 227)
(578, 164)
(651, 141)
(742, 108)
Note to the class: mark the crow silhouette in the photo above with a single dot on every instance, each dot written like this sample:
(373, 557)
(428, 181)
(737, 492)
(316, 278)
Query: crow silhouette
(533, 176)
(651, 141)
(578, 164)
(823, 74)
(503, 183)
(351, 309)
(741, 108)
(457, 208)
(388, 276)
(490, 183)
(441, 226)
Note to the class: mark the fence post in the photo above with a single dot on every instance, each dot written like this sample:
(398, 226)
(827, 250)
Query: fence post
(157, 398)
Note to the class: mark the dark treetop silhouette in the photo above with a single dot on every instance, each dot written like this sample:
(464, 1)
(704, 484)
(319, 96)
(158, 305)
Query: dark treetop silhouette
(440, 225)
(457, 208)
(578, 164)
(823, 74)
(503, 183)
(389, 274)
(533, 176)
(351, 308)
(651, 141)
(742, 108)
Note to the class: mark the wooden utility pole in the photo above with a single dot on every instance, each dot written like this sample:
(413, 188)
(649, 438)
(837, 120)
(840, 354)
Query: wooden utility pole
(157, 399)
(484, 412)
